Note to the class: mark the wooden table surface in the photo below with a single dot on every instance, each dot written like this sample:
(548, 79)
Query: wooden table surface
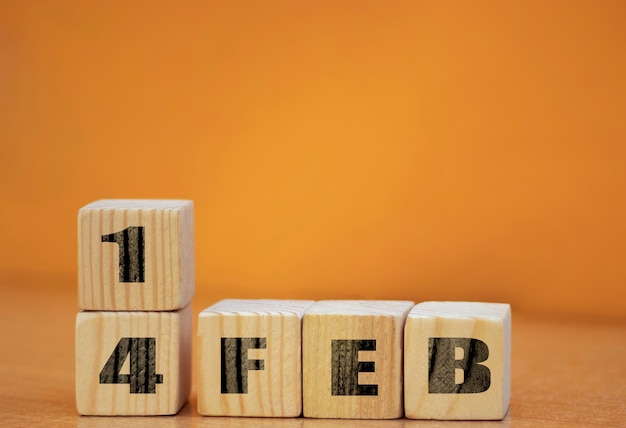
(566, 371)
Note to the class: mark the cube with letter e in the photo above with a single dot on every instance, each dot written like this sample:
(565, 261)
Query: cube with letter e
(352, 359)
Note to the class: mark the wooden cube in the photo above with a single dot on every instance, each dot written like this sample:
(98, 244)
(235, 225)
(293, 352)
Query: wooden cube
(457, 361)
(135, 255)
(352, 359)
(250, 358)
(133, 363)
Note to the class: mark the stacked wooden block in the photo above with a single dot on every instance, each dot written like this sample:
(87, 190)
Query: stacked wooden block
(360, 359)
(135, 285)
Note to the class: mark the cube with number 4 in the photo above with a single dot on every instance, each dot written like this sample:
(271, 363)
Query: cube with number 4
(133, 363)
(135, 255)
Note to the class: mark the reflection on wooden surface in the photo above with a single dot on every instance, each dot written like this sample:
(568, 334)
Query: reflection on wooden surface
(188, 417)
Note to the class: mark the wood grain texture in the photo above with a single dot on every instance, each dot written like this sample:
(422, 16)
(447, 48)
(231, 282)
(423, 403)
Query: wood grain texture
(442, 382)
(168, 282)
(331, 375)
(276, 390)
(97, 336)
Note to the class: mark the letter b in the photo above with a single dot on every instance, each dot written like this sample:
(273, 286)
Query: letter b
(442, 365)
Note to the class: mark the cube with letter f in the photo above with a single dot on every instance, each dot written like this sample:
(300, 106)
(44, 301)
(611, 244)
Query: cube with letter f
(250, 358)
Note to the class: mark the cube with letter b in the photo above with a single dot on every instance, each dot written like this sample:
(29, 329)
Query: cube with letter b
(352, 359)
(250, 357)
(457, 359)
(136, 255)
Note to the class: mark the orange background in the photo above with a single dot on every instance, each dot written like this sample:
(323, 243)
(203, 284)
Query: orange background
(345, 149)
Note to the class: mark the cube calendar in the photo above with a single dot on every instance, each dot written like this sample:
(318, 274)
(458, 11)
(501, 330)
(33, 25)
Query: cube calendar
(343, 359)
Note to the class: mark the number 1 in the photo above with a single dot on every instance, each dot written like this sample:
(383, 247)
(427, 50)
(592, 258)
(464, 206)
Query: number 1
(131, 250)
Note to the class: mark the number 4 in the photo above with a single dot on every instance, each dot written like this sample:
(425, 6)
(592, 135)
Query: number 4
(142, 377)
